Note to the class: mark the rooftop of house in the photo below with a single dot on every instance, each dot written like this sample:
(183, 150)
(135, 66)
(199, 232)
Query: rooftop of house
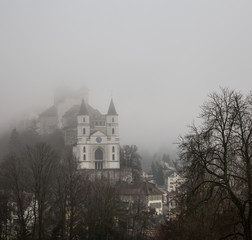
(138, 188)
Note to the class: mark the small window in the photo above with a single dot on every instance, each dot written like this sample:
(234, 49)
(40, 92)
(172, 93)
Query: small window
(84, 149)
(113, 131)
(84, 131)
(84, 157)
(113, 149)
(113, 157)
(113, 120)
(84, 120)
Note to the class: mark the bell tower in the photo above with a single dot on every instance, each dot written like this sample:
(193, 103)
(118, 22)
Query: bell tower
(112, 121)
(83, 132)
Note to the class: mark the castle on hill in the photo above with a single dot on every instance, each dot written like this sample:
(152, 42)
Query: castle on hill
(93, 135)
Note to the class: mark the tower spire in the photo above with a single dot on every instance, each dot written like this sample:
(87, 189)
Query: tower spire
(112, 110)
(83, 108)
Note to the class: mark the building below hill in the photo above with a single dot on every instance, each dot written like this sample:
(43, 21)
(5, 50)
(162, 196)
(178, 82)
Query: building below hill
(145, 193)
(173, 180)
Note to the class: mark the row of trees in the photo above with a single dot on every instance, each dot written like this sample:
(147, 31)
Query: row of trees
(43, 196)
(216, 201)
(158, 167)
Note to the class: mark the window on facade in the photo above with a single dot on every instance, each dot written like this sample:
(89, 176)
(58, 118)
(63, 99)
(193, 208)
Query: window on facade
(98, 154)
(113, 131)
(84, 120)
(84, 131)
(84, 157)
(84, 149)
(113, 149)
(113, 157)
(113, 119)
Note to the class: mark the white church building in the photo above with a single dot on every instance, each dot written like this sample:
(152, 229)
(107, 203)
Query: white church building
(98, 139)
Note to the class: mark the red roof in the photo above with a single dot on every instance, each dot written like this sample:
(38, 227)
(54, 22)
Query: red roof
(138, 188)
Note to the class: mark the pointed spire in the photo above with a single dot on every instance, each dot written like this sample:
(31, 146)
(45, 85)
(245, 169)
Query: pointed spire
(83, 108)
(112, 110)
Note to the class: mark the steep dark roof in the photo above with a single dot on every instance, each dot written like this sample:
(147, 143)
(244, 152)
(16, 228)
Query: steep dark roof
(93, 113)
(83, 108)
(138, 188)
(112, 110)
(50, 112)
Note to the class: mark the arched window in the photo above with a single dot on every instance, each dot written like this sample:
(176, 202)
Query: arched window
(98, 154)
(84, 157)
(84, 149)
(113, 131)
(84, 131)
(113, 149)
(113, 157)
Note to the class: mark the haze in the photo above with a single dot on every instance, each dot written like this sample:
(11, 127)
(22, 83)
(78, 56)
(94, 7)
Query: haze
(158, 59)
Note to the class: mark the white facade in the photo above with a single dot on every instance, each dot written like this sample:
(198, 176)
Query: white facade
(98, 141)
(174, 181)
(155, 202)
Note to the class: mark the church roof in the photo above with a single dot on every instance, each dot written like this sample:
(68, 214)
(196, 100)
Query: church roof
(112, 110)
(83, 108)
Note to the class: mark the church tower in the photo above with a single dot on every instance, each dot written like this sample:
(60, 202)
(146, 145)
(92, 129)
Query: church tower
(113, 132)
(98, 138)
(83, 132)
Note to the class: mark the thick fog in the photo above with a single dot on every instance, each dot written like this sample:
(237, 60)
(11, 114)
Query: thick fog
(158, 59)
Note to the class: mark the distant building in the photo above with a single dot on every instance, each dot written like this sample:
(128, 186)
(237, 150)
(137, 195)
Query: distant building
(174, 184)
(98, 139)
(173, 181)
(147, 174)
(93, 135)
(172, 204)
(64, 99)
(147, 193)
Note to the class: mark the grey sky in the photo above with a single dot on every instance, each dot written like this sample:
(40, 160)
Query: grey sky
(159, 58)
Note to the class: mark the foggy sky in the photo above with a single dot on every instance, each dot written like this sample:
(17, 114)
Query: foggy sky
(158, 59)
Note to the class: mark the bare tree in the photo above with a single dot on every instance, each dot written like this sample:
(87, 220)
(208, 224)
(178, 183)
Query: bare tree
(41, 163)
(217, 158)
(13, 180)
(131, 158)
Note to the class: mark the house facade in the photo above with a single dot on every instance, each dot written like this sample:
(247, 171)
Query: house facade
(146, 194)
